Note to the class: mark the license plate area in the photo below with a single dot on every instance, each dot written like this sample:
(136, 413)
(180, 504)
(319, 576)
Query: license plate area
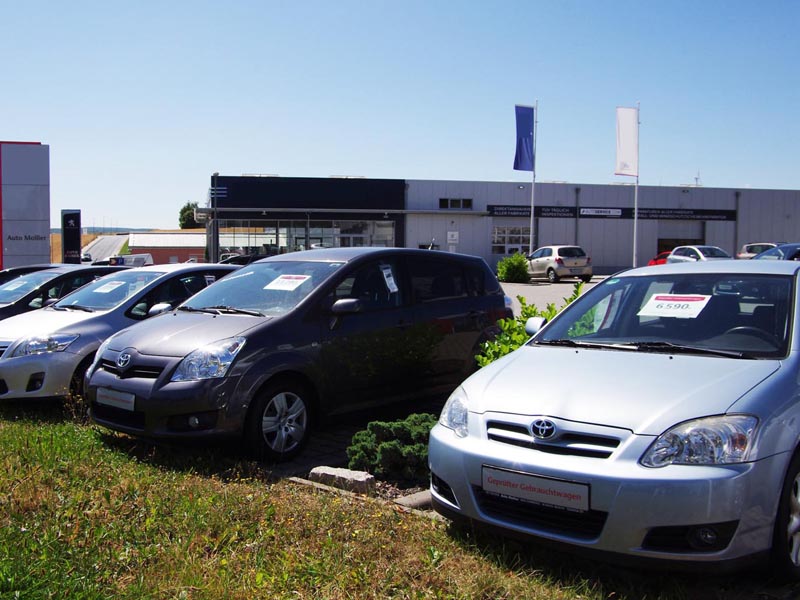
(535, 489)
(114, 398)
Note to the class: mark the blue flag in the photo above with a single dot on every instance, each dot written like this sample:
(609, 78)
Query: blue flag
(524, 158)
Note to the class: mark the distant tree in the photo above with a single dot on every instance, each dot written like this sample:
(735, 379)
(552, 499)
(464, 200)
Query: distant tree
(186, 217)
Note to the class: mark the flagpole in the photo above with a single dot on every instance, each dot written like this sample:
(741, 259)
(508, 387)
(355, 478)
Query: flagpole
(636, 187)
(532, 237)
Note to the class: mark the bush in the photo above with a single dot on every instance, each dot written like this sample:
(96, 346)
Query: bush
(512, 331)
(513, 269)
(395, 450)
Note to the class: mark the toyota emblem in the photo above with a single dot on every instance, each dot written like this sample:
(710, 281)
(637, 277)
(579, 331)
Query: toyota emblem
(543, 429)
(124, 359)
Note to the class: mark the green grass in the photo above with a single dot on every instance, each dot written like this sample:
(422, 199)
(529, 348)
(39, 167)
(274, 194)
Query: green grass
(87, 514)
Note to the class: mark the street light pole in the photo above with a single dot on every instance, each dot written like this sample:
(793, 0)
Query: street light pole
(214, 222)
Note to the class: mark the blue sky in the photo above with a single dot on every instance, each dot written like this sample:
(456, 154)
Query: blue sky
(140, 102)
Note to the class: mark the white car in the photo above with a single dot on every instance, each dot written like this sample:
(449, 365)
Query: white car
(752, 249)
(44, 353)
(697, 253)
(680, 442)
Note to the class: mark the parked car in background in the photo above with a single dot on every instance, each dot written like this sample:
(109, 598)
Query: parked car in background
(683, 449)
(46, 353)
(242, 259)
(38, 288)
(10, 273)
(660, 258)
(86, 257)
(752, 249)
(696, 253)
(555, 262)
(781, 252)
(131, 260)
(261, 354)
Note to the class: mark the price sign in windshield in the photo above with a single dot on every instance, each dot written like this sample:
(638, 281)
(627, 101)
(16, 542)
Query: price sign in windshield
(680, 306)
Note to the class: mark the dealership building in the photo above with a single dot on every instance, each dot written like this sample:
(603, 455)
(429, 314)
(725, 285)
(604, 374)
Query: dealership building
(270, 214)
(24, 203)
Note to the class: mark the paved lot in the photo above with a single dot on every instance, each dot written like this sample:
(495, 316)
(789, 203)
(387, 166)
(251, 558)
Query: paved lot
(542, 293)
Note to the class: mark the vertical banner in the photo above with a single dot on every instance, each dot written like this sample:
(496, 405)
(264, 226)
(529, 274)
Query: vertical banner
(627, 142)
(71, 236)
(524, 158)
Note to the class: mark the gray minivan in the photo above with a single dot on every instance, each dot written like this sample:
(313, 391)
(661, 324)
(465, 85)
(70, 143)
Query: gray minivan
(297, 336)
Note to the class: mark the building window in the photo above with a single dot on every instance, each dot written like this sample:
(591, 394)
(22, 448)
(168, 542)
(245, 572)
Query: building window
(455, 203)
(511, 240)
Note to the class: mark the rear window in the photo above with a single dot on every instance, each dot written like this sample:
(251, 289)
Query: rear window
(571, 252)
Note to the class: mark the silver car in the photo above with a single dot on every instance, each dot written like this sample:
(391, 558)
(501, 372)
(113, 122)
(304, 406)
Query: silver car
(680, 442)
(45, 352)
(696, 254)
(555, 262)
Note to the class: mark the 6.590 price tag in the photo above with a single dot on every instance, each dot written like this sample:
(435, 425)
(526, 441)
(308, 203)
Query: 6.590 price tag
(681, 306)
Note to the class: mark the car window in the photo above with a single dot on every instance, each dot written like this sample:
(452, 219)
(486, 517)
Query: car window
(109, 291)
(537, 254)
(749, 314)
(547, 252)
(433, 280)
(714, 252)
(22, 286)
(375, 285)
(572, 252)
(172, 292)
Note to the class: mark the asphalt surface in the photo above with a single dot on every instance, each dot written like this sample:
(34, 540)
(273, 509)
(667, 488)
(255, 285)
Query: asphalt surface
(328, 445)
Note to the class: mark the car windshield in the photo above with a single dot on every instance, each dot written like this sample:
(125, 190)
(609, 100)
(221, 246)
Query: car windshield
(109, 291)
(21, 286)
(789, 252)
(713, 252)
(270, 288)
(745, 316)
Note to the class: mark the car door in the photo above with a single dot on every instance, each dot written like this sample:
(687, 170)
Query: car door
(538, 262)
(366, 355)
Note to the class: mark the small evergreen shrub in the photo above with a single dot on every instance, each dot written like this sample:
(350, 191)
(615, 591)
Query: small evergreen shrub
(394, 450)
(513, 269)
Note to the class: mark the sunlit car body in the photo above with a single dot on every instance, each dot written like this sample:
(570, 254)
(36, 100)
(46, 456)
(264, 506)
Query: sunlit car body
(753, 249)
(781, 252)
(681, 442)
(659, 259)
(36, 289)
(46, 352)
(697, 254)
(317, 332)
(556, 262)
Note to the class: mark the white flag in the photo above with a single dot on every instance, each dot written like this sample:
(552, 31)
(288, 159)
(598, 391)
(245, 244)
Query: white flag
(627, 142)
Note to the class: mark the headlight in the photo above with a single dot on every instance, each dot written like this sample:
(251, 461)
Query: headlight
(454, 414)
(720, 440)
(41, 344)
(209, 361)
(99, 354)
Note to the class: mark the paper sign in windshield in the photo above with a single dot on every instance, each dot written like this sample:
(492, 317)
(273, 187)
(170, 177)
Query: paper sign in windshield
(108, 287)
(679, 306)
(389, 278)
(287, 283)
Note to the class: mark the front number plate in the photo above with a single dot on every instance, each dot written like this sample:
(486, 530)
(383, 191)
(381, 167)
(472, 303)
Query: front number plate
(114, 398)
(541, 490)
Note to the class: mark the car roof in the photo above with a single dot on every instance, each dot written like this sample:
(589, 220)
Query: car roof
(70, 268)
(183, 267)
(350, 254)
(731, 266)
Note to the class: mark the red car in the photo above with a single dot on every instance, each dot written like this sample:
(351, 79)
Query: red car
(659, 258)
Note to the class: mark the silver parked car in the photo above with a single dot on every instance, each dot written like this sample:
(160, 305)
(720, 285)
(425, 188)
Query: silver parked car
(682, 441)
(696, 254)
(45, 352)
(555, 262)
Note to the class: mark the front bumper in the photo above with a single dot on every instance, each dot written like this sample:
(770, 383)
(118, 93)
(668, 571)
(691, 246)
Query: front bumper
(633, 511)
(43, 375)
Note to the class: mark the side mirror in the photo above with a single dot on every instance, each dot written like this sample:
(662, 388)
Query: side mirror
(51, 301)
(346, 306)
(534, 325)
(159, 308)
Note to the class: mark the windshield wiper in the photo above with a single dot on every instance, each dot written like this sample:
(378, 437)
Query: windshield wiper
(679, 348)
(74, 307)
(226, 309)
(577, 343)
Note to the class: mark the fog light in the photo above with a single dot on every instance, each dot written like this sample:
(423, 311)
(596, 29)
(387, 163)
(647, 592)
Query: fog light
(194, 422)
(35, 382)
(703, 537)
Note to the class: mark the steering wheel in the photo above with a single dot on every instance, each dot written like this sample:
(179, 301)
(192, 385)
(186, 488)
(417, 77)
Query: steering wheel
(754, 331)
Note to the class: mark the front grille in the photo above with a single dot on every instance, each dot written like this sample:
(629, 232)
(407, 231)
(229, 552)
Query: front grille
(139, 371)
(118, 416)
(584, 525)
(572, 443)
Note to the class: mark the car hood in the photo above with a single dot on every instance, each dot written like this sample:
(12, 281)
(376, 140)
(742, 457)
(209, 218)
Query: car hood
(179, 333)
(643, 392)
(40, 322)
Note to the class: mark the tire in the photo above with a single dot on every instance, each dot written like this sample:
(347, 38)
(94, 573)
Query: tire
(586, 278)
(786, 536)
(279, 423)
(551, 276)
(76, 404)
